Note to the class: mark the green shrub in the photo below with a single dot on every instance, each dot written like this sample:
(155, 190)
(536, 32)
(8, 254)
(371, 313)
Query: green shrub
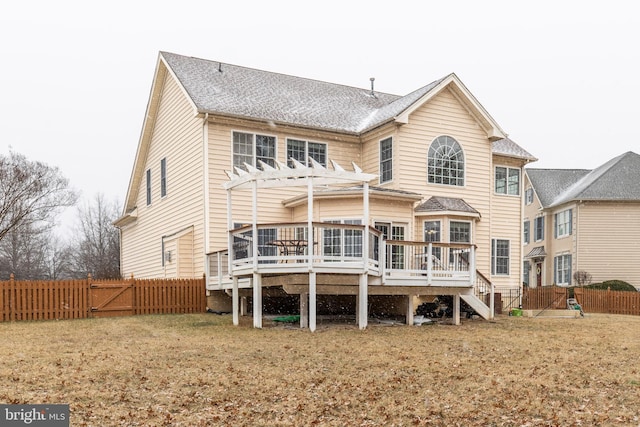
(615, 285)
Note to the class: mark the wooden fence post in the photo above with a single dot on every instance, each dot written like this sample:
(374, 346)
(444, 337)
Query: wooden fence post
(12, 297)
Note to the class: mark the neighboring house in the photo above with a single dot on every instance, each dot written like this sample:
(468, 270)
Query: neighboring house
(583, 220)
(435, 179)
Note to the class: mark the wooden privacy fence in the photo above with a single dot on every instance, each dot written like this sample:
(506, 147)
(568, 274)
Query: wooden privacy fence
(591, 300)
(77, 299)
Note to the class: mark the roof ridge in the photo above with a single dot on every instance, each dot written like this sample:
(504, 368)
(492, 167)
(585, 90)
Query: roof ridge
(588, 180)
(284, 74)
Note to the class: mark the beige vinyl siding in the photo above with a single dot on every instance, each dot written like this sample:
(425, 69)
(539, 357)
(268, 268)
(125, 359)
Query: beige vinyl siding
(371, 154)
(171, 265)
(177, 136)
(532, 211)
(605, 233)
(271, 209)
(186, 259)
(566, 244)
(506, 224)
(444, 115)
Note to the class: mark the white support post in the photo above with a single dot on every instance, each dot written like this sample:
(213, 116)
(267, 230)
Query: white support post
(243, 306)
(304, 310)
(254, 227)
(365, 220)
(362, 302)
(310, 245)
(429, 263)
(235, 302)
(312, 301)
(409, 309)
(456, 309)
(492, 302)
(257, 300)
(472, 266)
(382, 258)
(229, 227)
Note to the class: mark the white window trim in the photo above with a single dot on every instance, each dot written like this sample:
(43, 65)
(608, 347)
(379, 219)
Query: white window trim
(556, 224)
(534, 231)
(254, 133)
(464, 155)
(380, 181)
(493, 265)
(555, 264)
(449, 230)
(506, 188)
(306, 147)
(529, 190)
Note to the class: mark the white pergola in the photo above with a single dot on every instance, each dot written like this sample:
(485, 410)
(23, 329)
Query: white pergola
(299, 176)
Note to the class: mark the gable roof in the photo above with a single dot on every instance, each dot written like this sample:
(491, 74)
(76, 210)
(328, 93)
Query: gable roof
(217, 88)
(615, 180)
(231, 90)
(548, 184)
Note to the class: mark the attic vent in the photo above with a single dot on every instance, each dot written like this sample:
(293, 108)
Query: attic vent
(219, 67)
(372, 80)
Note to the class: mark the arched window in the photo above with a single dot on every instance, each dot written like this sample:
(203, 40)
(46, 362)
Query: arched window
(445, 162)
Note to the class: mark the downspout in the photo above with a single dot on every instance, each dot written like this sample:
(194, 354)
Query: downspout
(205, 176)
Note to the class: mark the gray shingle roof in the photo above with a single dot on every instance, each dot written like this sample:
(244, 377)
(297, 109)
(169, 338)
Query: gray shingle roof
(507, 147)
(616, 180)
(550, 183)
(439, 203)
(236, 91)
(244, 92)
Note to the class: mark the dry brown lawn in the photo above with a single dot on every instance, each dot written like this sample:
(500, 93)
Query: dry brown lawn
(199, 370)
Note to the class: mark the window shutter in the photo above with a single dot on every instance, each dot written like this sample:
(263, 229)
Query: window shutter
(555, 270)
(570, 262)
(555, 226)
(570, 221)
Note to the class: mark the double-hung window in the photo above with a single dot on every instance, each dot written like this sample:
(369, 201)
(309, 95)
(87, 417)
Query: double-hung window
(301, 151)
(538, 225)
(459, 232)
(562, 270)
(526, 270)
(528, 196)
(386, 160)
(499, 257)
(507, 181)
(526, 232)
(563, 223)
(249, 148)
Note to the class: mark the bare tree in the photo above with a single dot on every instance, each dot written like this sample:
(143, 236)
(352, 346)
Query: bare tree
(31, 192)
(97, 247)
(582, 278)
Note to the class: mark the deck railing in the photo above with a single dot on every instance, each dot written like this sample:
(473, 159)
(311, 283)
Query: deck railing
(338, 248)
(280, 243)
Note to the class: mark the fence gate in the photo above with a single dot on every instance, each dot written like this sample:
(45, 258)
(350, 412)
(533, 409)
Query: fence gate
(111, 299)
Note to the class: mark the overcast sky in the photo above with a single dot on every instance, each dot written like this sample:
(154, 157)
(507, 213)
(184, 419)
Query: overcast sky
(562, 78)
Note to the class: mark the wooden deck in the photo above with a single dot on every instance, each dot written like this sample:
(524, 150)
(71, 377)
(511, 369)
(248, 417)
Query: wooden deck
(336, 263)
